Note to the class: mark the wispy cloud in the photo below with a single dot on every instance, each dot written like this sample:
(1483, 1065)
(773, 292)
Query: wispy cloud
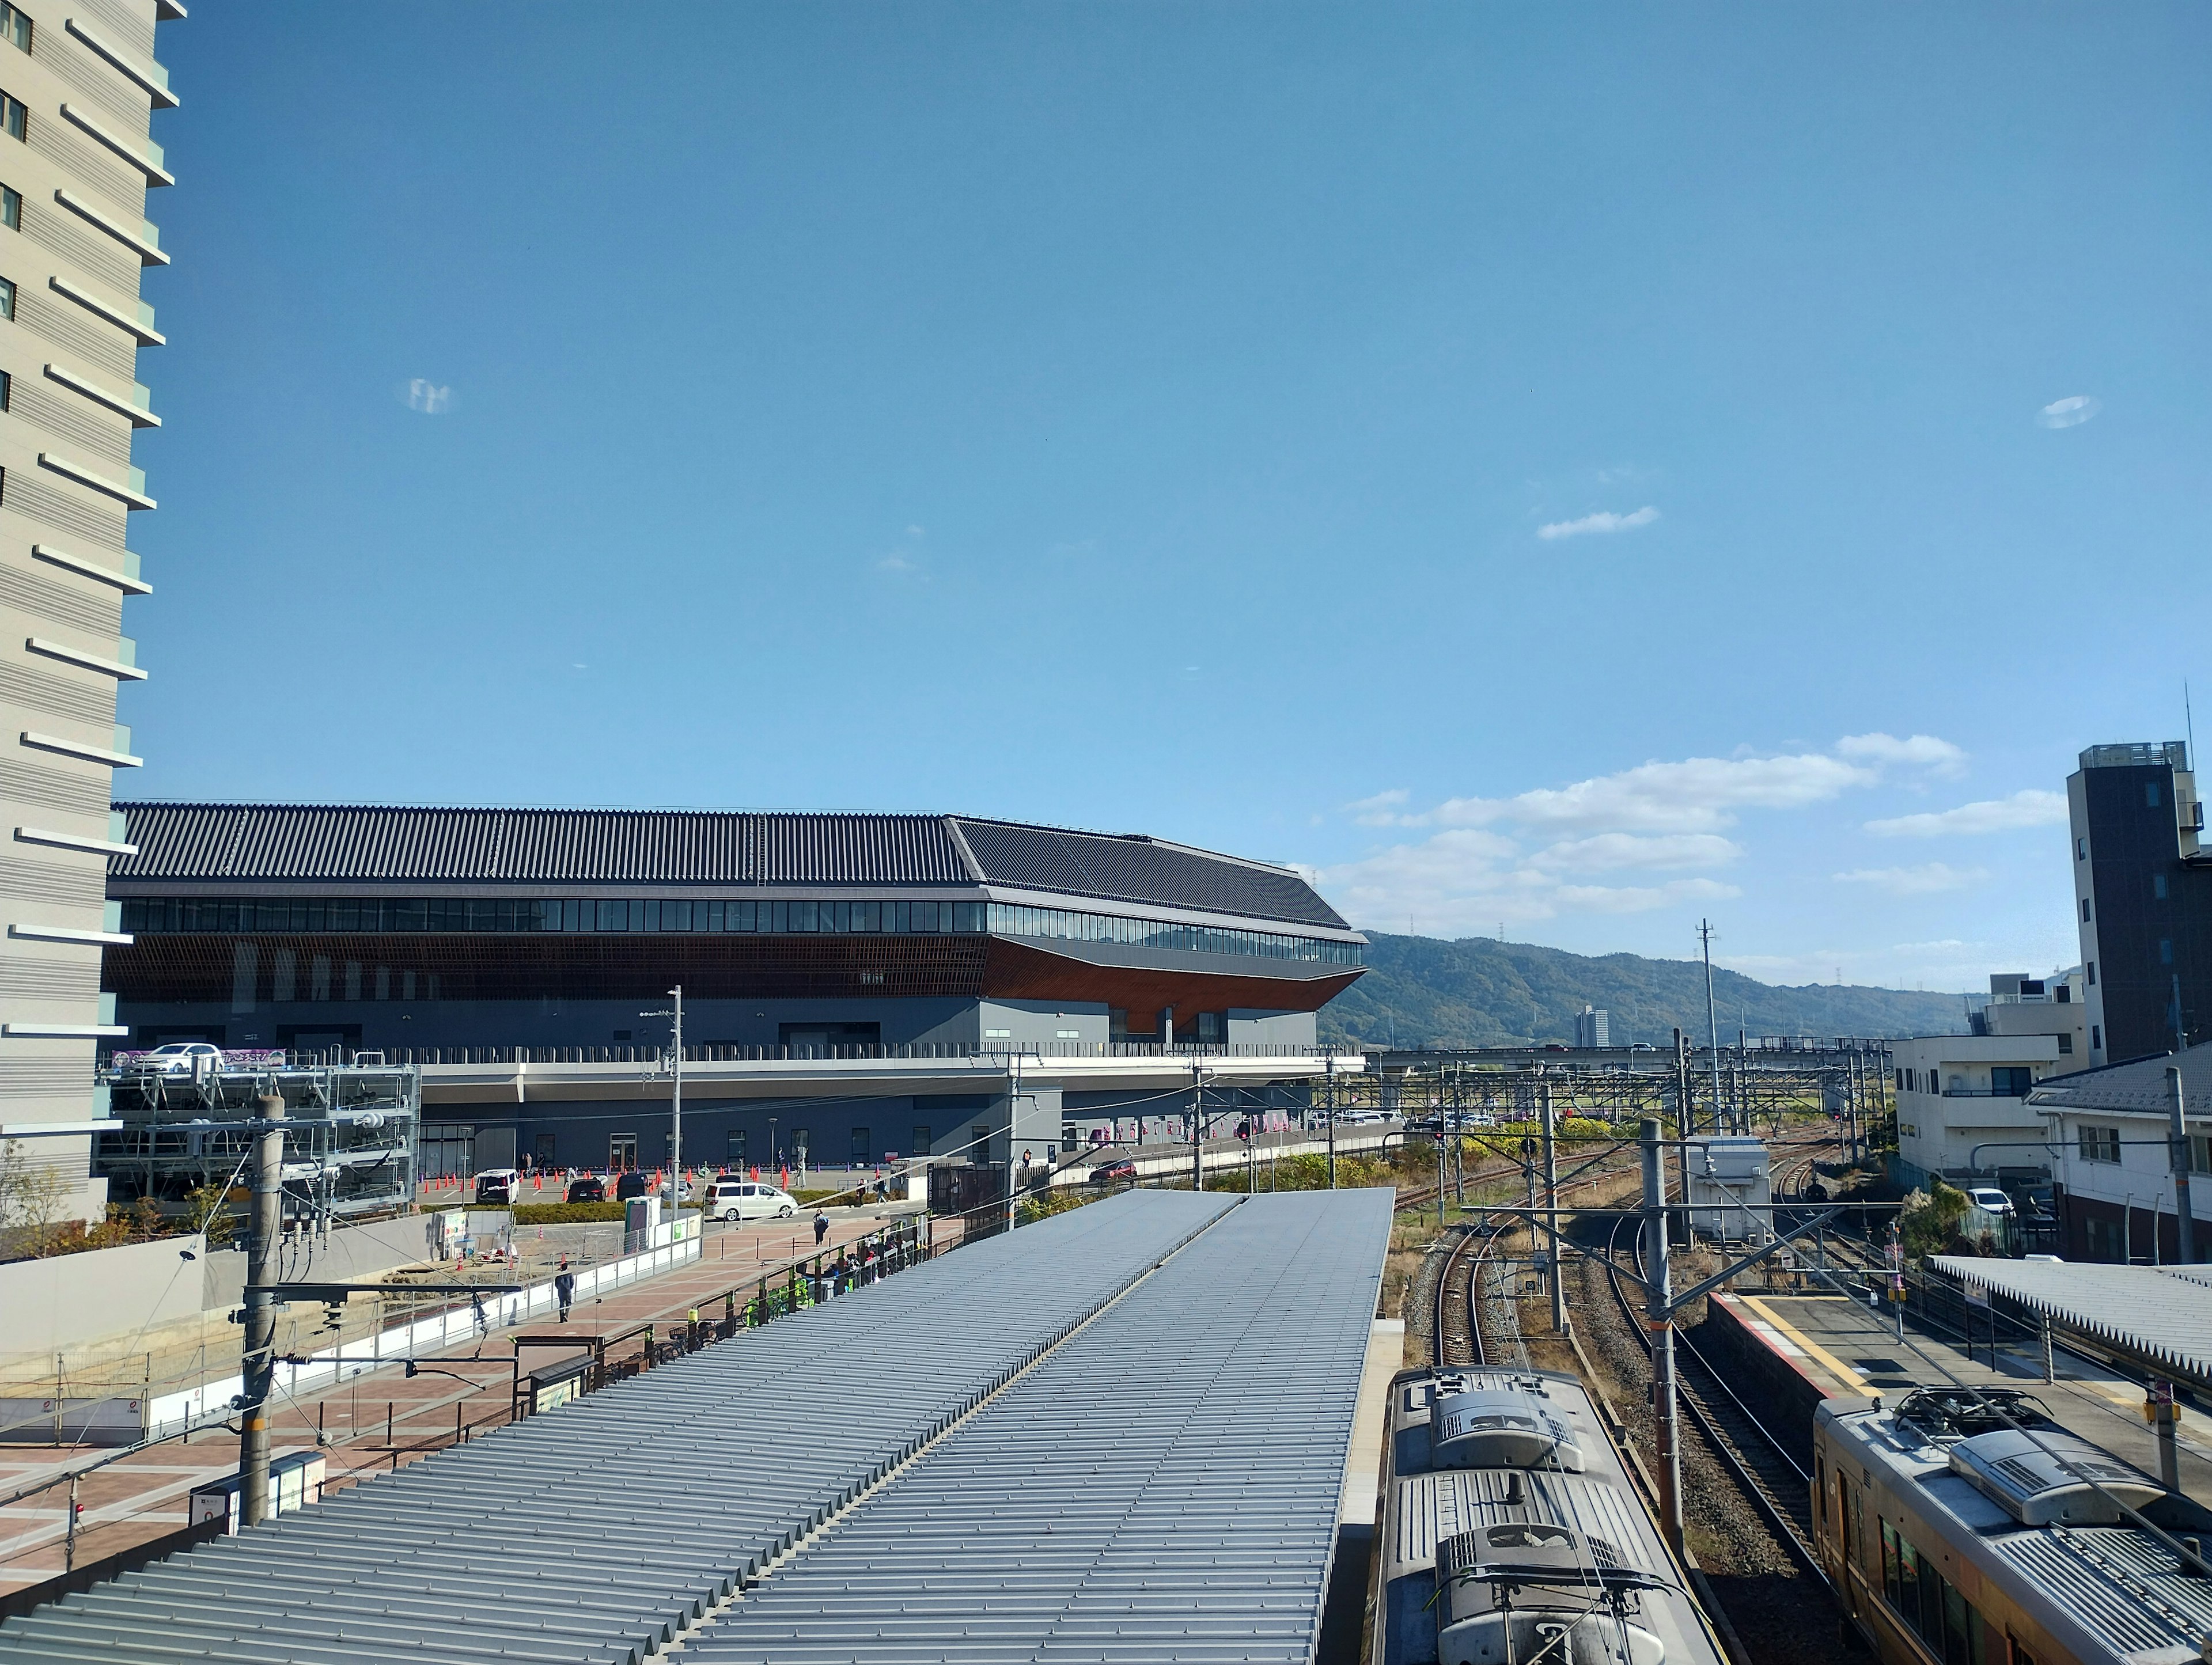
(2070, 412)
(1381, 809)
(1928, 879)
(428, 397)
(1604, 520)
(1915, 750)
(2032, 808)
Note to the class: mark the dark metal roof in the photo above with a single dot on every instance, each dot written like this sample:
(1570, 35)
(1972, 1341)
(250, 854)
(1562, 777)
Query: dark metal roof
(383, 845)
(1133, 868)
(379, 844)
(2137, 1085)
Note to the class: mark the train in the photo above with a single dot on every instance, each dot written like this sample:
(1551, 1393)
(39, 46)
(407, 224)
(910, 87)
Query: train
(1511, 1534)
(1963, 1526)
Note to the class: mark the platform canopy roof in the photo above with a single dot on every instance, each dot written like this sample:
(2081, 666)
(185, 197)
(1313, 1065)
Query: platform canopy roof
(2161, 1315)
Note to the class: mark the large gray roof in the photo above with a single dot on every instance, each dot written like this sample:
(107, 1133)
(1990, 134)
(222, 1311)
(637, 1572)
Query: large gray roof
(555, 1539)
(1162, 1490)
(2140, 1085)
(372, 844)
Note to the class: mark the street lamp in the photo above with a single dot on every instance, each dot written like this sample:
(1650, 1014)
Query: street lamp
(675, 1109)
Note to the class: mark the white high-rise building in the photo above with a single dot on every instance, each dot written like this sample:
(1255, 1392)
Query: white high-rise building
(1592, 1028)
(78, 88)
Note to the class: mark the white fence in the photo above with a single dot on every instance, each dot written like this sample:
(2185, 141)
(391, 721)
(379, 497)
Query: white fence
(172, 1413)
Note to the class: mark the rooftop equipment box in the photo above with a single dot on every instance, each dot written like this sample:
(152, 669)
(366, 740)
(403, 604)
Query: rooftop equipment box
(1726, 1185)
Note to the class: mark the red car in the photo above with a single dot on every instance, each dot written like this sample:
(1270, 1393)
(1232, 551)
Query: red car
(1123, 1172)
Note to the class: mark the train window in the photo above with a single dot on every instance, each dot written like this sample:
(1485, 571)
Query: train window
(2020, 1655)
(1819, 1493)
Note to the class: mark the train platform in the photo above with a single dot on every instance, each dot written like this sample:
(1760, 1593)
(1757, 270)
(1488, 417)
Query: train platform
(1797, 1350)
(1079, 1438)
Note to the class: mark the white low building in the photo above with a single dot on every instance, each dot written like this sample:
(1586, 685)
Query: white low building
(2108, 1132)
(1962, 1105)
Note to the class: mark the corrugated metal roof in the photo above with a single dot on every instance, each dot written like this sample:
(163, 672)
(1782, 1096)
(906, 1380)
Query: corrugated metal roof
(556, 1539)
(2114, 1582)
(2137, 1086)
(1136, 869)
(386, 845)
(371, 844)
(1162, 1490)
(2160, 1312)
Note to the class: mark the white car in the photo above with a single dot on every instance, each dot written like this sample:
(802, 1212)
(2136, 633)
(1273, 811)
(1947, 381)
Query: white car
(1989, 1198)
(183, 1058)
(743, 1199)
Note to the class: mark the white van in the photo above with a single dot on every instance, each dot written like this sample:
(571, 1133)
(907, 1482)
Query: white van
(744, 1200)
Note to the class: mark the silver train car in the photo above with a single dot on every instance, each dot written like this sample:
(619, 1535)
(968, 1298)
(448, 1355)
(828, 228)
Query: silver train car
(1512, 1536)
(1959, 1528)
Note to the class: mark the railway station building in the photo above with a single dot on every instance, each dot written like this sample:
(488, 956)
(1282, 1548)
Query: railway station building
(864, 985)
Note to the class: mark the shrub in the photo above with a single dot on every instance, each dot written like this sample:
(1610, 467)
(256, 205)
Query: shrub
(571, 1213)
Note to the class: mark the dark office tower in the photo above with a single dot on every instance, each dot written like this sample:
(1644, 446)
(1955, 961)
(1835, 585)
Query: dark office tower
(2142, 899)
(78, 87)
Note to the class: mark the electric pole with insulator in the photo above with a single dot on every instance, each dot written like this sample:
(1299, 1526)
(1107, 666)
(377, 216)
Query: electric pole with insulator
(266, 1219)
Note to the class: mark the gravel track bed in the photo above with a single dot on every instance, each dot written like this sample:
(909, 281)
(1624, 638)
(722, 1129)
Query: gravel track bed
(1783, 1616)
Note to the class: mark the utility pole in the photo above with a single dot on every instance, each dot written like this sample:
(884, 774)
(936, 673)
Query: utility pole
(1659, 1309)
(1013, 1129)
(1328, 1065)
(1712, 1023)
(1552, 1203)
(266, 1221)
(1197, 1102)
(1684, 1120)
(2177, 1128)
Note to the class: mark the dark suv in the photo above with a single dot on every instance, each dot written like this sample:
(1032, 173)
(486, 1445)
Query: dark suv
(590, 1188)
(633, 1184)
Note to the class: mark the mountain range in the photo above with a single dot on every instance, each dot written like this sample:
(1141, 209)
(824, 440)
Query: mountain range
(1479, 991)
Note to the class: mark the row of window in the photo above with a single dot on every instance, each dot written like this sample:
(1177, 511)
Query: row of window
(2006, 1080)
(1067, 924)
(2103, 1145)
(155, 915)
(1950, 1626)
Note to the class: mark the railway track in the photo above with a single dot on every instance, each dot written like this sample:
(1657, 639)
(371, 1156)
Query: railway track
(1458, 1336)
(1777, 1484)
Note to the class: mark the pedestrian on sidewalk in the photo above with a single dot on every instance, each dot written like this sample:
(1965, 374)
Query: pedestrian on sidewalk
(821, 1226)
(564, 1288)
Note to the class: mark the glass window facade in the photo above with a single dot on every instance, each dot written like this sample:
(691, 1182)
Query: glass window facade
(154, 915)
(1064, 924)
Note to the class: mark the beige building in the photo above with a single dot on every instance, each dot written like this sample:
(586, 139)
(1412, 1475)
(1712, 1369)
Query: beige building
(1962, 1108)
(78, 88)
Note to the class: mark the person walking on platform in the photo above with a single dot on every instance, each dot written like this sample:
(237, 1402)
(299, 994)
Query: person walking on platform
(564, 1288)
(821, 1226)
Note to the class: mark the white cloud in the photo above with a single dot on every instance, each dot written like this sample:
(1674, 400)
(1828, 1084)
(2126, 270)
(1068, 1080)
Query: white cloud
(428, 398)
(1700, 794)
(1544, 852)
(2070, 412)
(1641, 899)
(1612, 851)
(1604, 520)
(1381, 809)
(1921, 751)
(898, 562)
(2030, 808)
(1930, 878)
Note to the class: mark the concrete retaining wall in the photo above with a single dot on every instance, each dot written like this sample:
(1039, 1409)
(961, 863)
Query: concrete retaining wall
(67, 1300)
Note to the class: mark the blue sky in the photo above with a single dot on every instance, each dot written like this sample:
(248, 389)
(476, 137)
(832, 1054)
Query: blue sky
(1568, 469)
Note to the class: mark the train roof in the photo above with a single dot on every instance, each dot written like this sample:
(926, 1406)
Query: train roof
(1446, 1514)
(2003, 1502)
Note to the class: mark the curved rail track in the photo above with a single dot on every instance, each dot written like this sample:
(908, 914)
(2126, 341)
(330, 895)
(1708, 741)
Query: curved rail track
(1457, 1337)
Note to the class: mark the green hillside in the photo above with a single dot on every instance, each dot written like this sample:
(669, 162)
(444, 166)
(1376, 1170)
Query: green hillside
(1421, 991)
